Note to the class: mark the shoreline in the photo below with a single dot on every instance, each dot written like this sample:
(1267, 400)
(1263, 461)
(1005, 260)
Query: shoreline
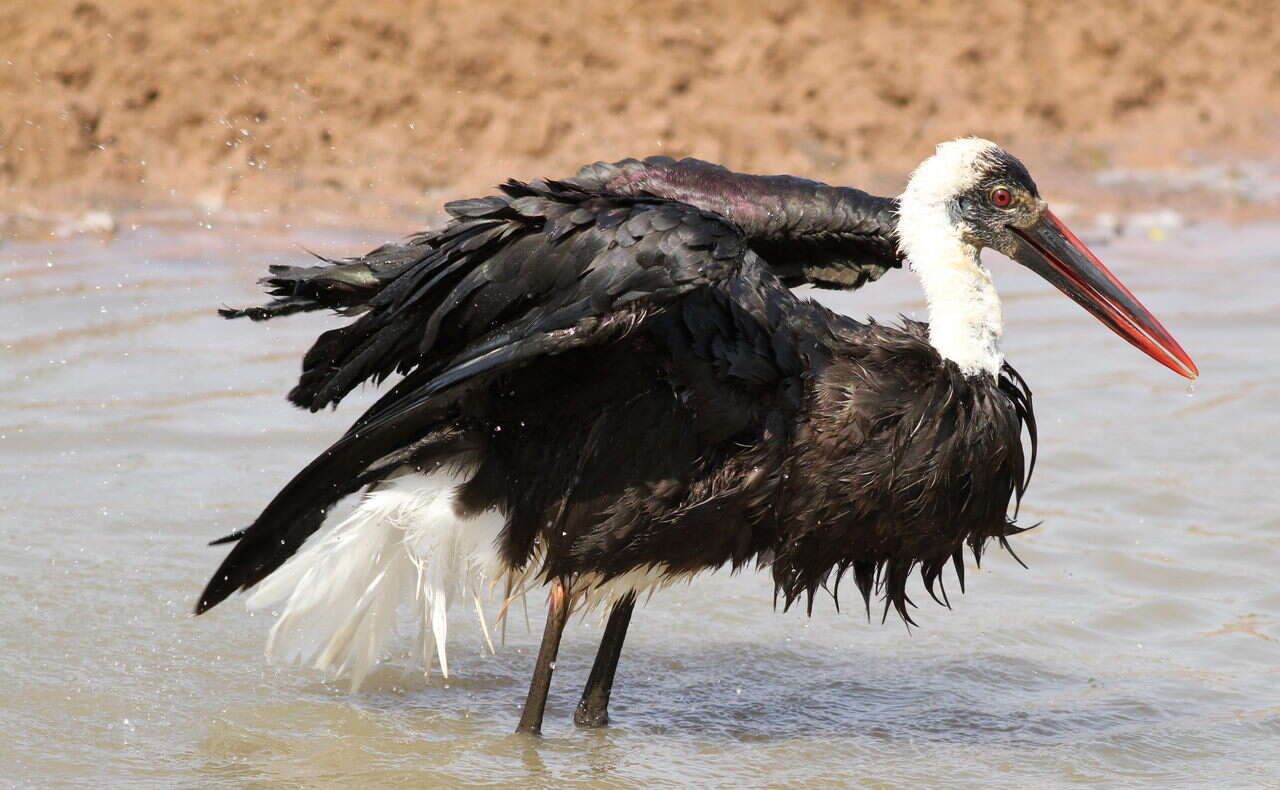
(378, 111)
(1101, 201)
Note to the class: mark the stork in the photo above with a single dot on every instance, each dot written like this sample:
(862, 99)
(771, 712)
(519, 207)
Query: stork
(609, 386)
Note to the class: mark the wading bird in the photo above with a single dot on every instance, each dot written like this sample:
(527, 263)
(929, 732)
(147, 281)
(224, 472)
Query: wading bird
(607, 389)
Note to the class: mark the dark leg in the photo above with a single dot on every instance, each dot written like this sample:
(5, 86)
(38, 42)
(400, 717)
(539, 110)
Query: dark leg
(536, 703)
(593, 708)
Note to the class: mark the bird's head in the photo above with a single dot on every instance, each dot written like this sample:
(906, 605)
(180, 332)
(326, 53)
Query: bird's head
(974, 194)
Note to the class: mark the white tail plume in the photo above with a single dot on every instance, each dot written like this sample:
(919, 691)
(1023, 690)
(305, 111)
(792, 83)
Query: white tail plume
(403, 545)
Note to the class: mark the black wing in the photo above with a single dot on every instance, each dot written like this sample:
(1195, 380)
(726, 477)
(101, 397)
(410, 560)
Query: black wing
(541, 270)
(807, 231)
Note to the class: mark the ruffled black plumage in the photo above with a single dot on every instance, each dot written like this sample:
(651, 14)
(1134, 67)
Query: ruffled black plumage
(805, 231)
(634, 388)
(930, 462)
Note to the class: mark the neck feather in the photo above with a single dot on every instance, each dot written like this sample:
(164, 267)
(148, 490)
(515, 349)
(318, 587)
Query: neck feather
(965, 320)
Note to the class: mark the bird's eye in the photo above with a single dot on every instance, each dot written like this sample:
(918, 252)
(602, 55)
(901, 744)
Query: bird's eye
(1001, 196)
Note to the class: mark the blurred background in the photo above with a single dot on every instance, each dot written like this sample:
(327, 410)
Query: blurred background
(157, 156)
(381, 108)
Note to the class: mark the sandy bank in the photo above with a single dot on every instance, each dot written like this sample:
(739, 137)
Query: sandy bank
(378, 107)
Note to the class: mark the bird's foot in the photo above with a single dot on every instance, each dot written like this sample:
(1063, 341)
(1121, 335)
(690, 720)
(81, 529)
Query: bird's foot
(591, 716)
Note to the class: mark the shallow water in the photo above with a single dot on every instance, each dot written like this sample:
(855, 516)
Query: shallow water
(1142, 649)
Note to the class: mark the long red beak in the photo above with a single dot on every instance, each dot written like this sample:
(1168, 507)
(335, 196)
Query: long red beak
(1051, 250)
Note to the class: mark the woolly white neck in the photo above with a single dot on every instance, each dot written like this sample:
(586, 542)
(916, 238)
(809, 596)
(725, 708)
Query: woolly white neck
(965, 320)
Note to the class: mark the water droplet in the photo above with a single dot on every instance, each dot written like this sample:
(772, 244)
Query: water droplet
(1191, 389)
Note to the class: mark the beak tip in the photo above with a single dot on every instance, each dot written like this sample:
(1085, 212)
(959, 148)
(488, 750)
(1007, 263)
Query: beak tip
(1187, 369)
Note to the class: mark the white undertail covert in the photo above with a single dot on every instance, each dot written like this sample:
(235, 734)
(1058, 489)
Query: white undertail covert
(404, 546)
(965, 320)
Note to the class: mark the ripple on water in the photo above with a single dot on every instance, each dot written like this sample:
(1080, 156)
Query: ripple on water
(1138, 651)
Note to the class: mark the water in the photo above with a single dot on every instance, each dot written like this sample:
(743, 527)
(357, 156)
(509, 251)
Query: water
(1142, 649)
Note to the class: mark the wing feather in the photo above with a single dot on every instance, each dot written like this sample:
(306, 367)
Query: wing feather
(458, 317)
(807, 231)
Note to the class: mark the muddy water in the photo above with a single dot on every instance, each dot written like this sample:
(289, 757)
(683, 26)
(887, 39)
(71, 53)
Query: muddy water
(1142, 649)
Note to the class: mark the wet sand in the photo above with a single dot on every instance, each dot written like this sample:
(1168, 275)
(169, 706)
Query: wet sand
(369, 107)
(1140, 649)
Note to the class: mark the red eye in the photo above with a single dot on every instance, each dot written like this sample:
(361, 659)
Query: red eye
(1001, 197)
